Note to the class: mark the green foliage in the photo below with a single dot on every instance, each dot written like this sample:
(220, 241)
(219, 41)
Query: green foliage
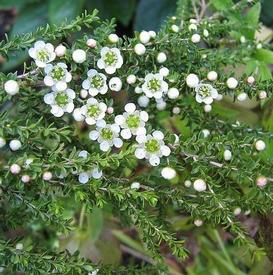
(64, 207)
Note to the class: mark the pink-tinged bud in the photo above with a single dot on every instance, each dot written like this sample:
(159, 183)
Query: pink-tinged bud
(261, 181)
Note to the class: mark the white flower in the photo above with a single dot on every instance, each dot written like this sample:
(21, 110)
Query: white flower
(152, 147)
(205, 93)
(250, 80)
(132, 121)
(110, 60)
(92, 43)
(227, 155)
(207, 108)
(95, 83)
(42, 53)
(77, 114)
(173, 93)
(152, 34)
(175, 28)
(47, 176)
(139, 49)
(15, 169)
(93, 111)
(115, 84)
(154, 86)
(135, 185)
(11, 87)
(262, 94)
(57, 76)
(164, 71)
(60, 101)
(79, 56)
(107, 135)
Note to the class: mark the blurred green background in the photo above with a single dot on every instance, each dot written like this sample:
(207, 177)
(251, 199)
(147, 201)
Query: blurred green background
(212, 251)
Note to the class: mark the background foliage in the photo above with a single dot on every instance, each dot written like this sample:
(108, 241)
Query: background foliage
(212, 251)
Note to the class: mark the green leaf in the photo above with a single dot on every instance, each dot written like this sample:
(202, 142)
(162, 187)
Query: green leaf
(222, 5)
(264, 55)
(151, 14)
(60, 10)
(122, 10)
(30, 18)
(253, 15)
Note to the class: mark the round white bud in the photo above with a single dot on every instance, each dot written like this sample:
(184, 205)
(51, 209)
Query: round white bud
(176, 110)
(173, 93)
(260, 145)
(15, 169)
(250, 80)
(232, 83)
(207, 108)
(11, 87)
(192, 27)
(110, 110)
(144, 37)
(91, 43)
(261, 181)
(25, 178)
(15, 144)
(206, 133)
(115, 84)
(2, 142)
(161, 105)
(262, 94)
(83, 177)
(175, 28)
(212, 75)
(131, 79)
(143, 101)
(135, 185)
(77, 114)
(204, 56)
(227, 155)
(47, 176)
(199, 185)
(79, 56)
(83, 93)
(192, 80)
(237, 211)
(161, 57)
(138, 90)
(206, 33)
(60, 50)
(152, 34)
(198, 223)
(242, 39)
(242, 96)
(139, 49)
(259, 46)
(19, 246)
(193, 21)
(164, 71)
(168, 173)
(187, 183)
(113, 38)
(195, 38)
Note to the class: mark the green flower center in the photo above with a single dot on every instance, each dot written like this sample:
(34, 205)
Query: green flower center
(106, 134)
(93, 111)
(154, 85)
(110, 58)
(132, 121)
(204, 91)
(57, 73)
(152, 146)
(43, 55)
(61, 99)
(96, 82)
